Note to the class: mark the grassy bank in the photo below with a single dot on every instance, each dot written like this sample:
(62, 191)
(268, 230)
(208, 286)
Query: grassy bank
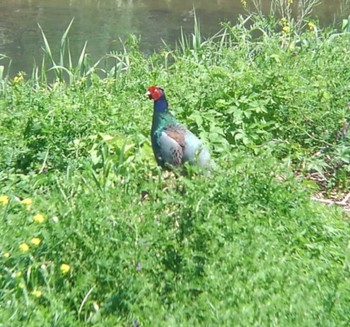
(95, 234)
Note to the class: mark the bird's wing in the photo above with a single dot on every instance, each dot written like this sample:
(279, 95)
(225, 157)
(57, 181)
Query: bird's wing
(177, 133)
(172, 145)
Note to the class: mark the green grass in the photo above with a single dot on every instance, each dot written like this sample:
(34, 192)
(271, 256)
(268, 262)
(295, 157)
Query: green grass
(243, 247)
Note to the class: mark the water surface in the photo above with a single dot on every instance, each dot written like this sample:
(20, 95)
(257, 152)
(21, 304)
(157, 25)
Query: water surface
(103, 22)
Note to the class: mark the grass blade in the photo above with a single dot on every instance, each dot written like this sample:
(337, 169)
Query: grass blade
(64, 42)
(81, 61)
(47, 48)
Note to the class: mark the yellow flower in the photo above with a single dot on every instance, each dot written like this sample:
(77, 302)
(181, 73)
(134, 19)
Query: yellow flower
(6, 255)
(18, 79)
(4, 199)
(64, 268)
(311, 26)
(39, 218)
(37, 293)
(284, 20)
(24, 247)
(27, 201)
(35, 241)
(286, 29)
(244, 3)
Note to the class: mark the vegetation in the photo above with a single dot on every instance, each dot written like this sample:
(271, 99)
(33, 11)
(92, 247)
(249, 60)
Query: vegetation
(95, 234)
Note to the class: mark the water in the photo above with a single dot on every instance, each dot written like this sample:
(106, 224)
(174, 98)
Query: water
(103, 22)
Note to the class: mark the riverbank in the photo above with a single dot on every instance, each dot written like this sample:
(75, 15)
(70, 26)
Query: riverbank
(94, 233)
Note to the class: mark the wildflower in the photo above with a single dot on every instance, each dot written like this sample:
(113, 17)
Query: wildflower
(39, 218)
(37, 293)
(27, 202)
(311, 26)
(244, 3)
(24, 247)
(284, 20)
(55, 219)
(18, 79)
(6, 255)
(286, 29)
(4, 199)
(35, 241)
(64, 268)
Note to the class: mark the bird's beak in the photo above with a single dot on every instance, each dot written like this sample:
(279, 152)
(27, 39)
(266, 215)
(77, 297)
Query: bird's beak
(148, 94)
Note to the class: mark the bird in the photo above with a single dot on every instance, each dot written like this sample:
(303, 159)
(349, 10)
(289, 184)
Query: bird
(173, 144)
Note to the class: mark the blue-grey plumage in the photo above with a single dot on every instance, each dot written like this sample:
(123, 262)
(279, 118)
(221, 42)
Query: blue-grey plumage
(173, 144)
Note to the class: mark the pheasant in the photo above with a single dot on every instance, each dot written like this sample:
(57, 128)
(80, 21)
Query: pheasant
(173, 144)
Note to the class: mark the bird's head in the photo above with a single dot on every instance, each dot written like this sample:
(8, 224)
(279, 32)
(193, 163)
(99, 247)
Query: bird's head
(154, 93)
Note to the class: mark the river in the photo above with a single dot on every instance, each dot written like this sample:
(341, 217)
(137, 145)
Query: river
(103, 22)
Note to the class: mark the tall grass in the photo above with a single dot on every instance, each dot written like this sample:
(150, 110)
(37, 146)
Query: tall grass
(298, 11)
(95, 234)
(65, 70)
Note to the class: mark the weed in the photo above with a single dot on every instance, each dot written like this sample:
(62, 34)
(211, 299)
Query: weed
(93, 231)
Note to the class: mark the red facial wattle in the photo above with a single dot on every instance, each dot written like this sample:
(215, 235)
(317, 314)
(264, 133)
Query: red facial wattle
(154, 93)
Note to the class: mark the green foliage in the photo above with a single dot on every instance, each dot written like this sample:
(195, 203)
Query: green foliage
(118, 242)
(239, 248)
